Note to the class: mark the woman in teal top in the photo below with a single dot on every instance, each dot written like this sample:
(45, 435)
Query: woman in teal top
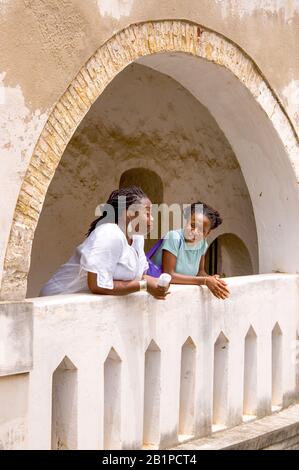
(182, 253)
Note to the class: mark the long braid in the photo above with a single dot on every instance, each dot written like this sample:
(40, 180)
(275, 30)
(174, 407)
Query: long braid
(129, 196)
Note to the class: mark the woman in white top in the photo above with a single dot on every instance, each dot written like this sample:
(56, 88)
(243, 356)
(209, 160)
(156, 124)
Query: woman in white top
(111, 259)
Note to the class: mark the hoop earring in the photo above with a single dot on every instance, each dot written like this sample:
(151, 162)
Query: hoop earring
(130, 227)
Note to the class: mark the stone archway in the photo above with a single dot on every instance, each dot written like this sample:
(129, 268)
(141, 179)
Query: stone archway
(229, 256)
(148, 180)
(134, 42)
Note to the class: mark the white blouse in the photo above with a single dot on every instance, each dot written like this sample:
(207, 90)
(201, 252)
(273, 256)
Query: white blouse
(105, 252)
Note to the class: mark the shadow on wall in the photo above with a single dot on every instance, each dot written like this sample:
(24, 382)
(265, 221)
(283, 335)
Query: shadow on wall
(228, 256)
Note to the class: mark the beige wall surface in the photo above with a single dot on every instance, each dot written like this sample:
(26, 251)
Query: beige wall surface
(43, 44)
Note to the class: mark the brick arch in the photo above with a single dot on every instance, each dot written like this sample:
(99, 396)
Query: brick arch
(134, 42)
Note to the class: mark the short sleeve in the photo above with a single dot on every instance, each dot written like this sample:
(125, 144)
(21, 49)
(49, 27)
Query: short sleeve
(101, 254)
(171, 242)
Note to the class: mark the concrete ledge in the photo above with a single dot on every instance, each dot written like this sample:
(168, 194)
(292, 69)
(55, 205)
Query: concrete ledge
(279, 431)
(137, 354)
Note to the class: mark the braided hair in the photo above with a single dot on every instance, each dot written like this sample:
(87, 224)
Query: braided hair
(120, 200)
(208, 211)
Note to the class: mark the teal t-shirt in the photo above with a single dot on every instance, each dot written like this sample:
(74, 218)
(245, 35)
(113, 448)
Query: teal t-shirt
(188, 256)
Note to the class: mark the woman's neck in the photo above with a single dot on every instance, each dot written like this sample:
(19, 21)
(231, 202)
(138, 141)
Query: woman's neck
(123, 225)
(192, 243)
(129, 240)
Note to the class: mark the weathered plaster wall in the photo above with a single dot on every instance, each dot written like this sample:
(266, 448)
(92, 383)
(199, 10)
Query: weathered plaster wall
(119, 345)
(63, 34)
(143, 119)
(39, 59)
(14, 411)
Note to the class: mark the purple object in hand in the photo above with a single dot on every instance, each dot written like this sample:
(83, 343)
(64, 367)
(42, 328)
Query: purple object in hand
(154, 270)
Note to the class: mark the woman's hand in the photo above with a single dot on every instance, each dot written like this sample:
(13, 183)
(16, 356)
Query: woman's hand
(217, 286)
(156, 291)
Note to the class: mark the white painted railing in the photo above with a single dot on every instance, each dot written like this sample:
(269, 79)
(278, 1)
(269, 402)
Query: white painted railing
(134, 372)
